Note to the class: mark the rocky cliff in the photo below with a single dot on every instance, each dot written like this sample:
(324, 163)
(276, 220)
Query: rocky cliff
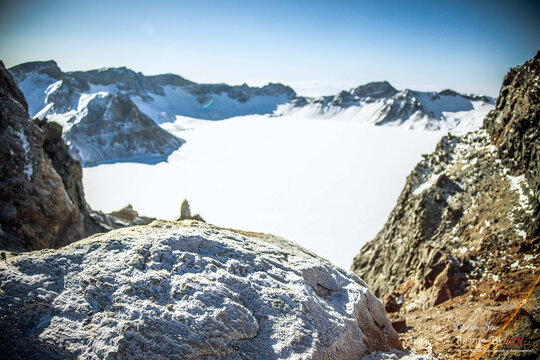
(472, 192)
(42, 201)
(514, 127)
(112, 128)
(186, 290)
(466, 224)
(36, 211)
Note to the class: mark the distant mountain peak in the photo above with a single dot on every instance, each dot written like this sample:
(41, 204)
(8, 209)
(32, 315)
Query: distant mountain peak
(377, 89)
(109, 114)
(49, 67)
(379, 103)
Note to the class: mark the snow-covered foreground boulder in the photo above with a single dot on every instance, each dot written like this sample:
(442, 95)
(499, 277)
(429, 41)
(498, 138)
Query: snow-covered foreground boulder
(186, 290)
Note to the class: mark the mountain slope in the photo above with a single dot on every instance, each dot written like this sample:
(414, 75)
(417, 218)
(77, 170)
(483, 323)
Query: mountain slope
(97, 126)
(112, 114)
(105, 112)
(464, 198)
(466, 225)
(379, 103)
(160, 97)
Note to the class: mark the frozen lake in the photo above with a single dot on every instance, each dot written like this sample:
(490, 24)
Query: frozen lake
(327, 185)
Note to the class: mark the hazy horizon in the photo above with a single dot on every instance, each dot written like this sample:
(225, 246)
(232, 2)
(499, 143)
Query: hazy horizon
(313, 46)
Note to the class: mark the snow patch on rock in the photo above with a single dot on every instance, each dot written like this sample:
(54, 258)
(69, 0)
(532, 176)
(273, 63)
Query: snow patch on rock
(29, 167)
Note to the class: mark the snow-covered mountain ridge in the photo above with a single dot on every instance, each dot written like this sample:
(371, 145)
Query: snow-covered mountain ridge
(379, 103)
(160, 97)
(113, 114)
(98, 126)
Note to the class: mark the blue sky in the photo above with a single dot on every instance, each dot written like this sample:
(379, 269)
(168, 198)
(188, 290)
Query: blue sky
(315, 46)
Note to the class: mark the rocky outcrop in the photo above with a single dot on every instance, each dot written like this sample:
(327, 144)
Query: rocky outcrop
(36, 211)
(470, 201)
(514, 127)
(131, 217)
(185, 212)
(186, 290)
(70, 171)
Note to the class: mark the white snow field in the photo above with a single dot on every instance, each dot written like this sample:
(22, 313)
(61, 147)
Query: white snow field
(327, 185)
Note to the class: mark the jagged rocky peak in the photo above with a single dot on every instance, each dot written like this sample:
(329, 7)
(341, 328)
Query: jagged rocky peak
(483, 98)
(108, 76)
(9, 88)
(514, 126)
(113, 127)
(49, 68)
(128, 79)
(472, 200)
(169, 79)
(379, 103)
(278, 88)
(187, 290)
(380, 89)
(72, 98)
(241, 93)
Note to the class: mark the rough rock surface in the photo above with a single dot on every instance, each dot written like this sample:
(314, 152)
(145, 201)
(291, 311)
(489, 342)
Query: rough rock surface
(186, 290)
(515, 127)
(35, 209)
(458, 203)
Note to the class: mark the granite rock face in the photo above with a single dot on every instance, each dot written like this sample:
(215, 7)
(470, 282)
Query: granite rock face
(514, 127)
(186, 290)
(36, 211)
(470, 201)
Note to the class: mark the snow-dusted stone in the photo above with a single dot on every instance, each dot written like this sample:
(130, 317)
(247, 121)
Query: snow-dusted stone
(186, 290)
